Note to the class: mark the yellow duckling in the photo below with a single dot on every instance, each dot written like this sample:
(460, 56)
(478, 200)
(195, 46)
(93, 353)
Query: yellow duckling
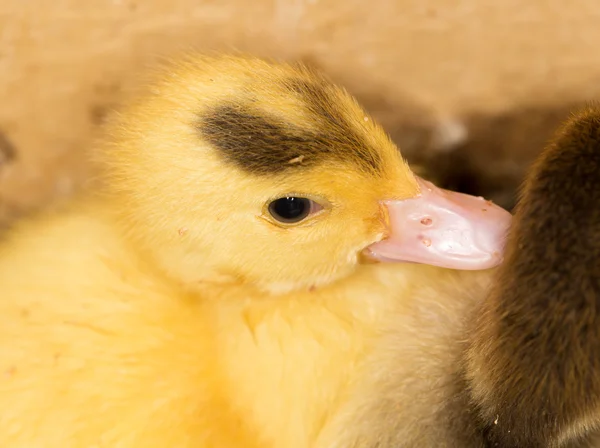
(225, 285)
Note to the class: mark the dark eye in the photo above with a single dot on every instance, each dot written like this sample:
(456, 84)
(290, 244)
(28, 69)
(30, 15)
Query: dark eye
(290, 209)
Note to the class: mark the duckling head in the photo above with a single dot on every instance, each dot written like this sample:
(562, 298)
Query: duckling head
(235, 170)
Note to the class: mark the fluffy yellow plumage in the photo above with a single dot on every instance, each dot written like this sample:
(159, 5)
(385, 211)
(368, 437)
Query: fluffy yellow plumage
(168, 308)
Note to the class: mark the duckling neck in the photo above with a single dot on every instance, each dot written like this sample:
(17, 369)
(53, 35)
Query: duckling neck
(294, 361)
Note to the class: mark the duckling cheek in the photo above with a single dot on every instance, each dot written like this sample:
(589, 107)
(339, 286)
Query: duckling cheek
(444, 228)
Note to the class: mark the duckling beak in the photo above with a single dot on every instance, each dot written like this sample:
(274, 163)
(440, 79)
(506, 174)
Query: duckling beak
(444, 228)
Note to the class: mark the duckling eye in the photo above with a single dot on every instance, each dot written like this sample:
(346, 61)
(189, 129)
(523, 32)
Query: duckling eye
(291, 210)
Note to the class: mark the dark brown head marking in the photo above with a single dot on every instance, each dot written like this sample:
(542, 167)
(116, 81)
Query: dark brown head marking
(265, 144)
(320, 99)
(256, 143)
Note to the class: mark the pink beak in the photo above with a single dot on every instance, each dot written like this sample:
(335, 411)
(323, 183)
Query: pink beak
(444, 228)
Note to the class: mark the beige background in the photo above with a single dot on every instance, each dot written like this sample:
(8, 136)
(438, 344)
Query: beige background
(508, 70)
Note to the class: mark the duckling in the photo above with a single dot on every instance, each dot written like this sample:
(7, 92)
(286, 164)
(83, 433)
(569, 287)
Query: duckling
(523, 370)
(533, 361)
(253, 237)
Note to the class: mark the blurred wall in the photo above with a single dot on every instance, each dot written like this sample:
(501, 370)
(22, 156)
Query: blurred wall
(508, 70)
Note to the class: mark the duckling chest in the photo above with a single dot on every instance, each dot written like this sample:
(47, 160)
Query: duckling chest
(288, 368)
